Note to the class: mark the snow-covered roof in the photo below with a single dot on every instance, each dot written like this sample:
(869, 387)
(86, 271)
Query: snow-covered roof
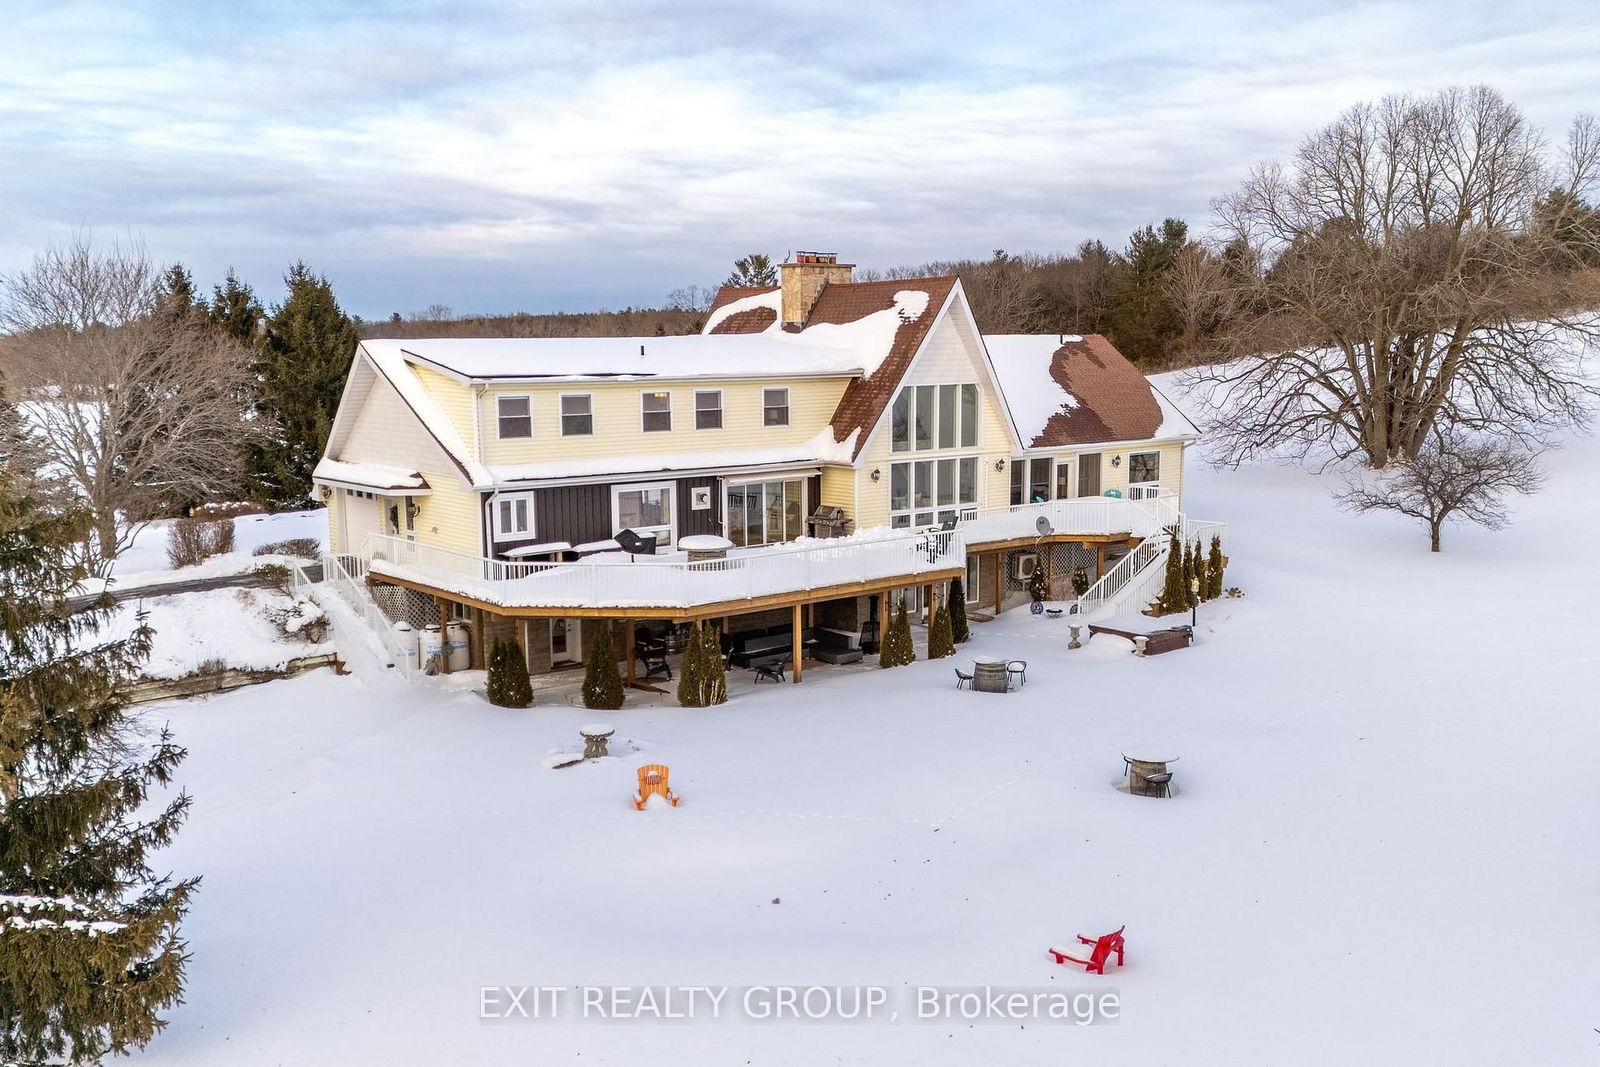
(1064, 390)
(762, 355)
(369, 476)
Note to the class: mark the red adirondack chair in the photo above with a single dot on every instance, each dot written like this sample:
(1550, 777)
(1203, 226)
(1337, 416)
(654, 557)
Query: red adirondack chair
(1100, 953)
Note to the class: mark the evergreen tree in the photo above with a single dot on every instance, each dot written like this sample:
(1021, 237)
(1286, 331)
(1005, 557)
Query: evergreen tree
(753, 270)
(959, 630)
(602, 683)
(236, 311)
(90, 951)
(1215, 566)
(307, 351)
(898, 649)
(703, 679)
(509, 685)
(1201, 575)
(1174, 593)
(1189, 599)
(1038, 586)
(941, 643)
(1144, 315)
(1080, 580)
(175, 295)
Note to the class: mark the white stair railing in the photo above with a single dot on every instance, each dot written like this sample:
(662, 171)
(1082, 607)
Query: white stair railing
(364, 635)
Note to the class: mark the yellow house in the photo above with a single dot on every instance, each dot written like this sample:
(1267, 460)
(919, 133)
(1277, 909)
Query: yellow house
(822, 444)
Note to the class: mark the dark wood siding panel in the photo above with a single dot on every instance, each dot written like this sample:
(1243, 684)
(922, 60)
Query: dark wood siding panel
(699, 522)
(574, 513)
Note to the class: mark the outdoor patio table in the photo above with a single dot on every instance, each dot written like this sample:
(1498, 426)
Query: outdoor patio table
(1144, 761)
(595, 737)
(989, 676)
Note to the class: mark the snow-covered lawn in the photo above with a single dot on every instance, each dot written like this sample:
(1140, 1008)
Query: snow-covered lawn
(1382, 849)
(145, 562)
(227, 626)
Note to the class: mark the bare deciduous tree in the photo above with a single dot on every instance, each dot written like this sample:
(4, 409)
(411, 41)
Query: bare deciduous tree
(1451, 479)
(140, 411)
(1409, 271)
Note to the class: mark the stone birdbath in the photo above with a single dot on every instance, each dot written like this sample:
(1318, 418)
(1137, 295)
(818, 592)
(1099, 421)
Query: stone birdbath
(595, 736)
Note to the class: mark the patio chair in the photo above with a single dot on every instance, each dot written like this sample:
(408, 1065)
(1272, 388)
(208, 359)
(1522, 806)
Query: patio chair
(653, 658)
(1017, 668)
(962, 678)
(653, 781)
(1162, 782)
(772, 669)
(1101, 949)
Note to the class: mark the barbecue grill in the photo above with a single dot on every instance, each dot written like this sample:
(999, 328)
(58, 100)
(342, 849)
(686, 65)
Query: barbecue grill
(828, 521)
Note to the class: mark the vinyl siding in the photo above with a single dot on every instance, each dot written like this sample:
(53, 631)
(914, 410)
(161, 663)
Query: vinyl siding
(618, 427)
(952, 356)
(385, 431)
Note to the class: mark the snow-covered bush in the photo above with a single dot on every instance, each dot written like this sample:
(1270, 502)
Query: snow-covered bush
(300, 619)
(602, 683)
(191, 541)
(897, 650)
(304, 547)
(959, 630)
(703, 680)
(509, 686)
(941, 643)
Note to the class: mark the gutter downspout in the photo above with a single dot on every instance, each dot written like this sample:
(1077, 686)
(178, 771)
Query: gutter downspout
(485, 503)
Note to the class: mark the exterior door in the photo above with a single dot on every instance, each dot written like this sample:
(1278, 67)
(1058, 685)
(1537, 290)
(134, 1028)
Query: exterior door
(566, 641)
(363, 515)
(1066, 478)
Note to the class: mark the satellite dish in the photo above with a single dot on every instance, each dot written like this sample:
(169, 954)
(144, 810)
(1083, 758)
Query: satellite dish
(1042, 524)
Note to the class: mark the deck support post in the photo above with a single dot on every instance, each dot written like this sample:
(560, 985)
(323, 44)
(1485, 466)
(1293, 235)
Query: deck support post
(797, 647)
(479, 660)
(627, 649)
(999, 581)
(443, 607)
(1099, 561)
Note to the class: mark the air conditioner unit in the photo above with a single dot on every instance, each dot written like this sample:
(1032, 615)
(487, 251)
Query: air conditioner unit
(1023, 565)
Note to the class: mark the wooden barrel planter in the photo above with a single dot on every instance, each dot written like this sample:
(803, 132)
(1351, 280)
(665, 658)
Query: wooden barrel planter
(989, 676)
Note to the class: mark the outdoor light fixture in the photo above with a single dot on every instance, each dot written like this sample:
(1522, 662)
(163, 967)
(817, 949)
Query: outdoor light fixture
(876, 473)
(1116, 461)
(1194, 604)
(1000, 464)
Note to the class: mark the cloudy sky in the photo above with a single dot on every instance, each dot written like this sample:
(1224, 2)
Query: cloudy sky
(496, 156)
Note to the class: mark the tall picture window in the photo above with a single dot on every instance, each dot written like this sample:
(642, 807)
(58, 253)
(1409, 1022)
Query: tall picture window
(924, 418)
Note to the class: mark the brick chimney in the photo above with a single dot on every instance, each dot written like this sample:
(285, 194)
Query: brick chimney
(803, 278)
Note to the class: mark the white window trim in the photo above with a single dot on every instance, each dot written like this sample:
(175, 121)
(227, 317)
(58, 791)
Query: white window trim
(494, 517)
(722, 414)
(561, 415)
(958, 506)
(634, 487)
(803, 477)
(498, 397)
(1156, 452)
(788, 409)
(911, 448)
(643, 393)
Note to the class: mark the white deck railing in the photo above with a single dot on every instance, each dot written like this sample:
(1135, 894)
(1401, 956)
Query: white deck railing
(617, 580)
(1089, 516)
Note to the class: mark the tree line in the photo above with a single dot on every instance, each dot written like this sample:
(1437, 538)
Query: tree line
(150, 397)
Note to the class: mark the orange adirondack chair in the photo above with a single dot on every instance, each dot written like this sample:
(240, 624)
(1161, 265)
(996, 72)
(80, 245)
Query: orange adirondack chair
(1102, 947)
(653, 782)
